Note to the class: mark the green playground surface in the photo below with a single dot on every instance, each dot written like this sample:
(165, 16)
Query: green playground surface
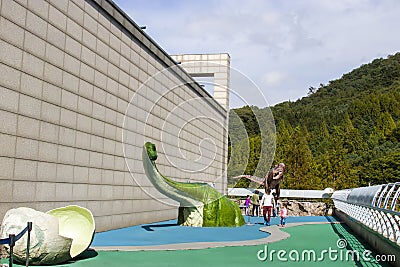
(325, 240)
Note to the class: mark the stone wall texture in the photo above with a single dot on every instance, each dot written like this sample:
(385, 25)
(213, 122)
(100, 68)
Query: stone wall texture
(68, 135)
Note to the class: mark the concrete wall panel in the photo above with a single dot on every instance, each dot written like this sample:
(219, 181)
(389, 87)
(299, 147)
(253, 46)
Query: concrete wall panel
(69, 70)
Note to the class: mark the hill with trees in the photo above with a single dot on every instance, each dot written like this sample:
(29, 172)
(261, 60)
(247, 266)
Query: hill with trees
(344, 134)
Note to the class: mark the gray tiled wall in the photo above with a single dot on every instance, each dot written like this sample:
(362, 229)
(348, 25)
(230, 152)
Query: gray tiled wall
(68, 70)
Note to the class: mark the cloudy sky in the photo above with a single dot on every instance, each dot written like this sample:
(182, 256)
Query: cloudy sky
(285, 46)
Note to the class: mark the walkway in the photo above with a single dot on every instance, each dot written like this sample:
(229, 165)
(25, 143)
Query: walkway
(169, 236)
(316, 237)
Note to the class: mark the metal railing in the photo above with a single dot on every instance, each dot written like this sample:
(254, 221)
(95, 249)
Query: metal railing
(12, 238)
(377, 207)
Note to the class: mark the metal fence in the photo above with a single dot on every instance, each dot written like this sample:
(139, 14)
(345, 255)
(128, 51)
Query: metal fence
(377, 207)
(12, 238)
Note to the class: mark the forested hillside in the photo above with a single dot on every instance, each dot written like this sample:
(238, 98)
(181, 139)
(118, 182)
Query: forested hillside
(343, 134)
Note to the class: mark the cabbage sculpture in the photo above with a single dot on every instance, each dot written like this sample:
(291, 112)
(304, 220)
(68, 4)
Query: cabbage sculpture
(56, 237)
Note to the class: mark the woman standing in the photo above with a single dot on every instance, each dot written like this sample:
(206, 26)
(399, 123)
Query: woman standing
(255, 200)
(267, 202)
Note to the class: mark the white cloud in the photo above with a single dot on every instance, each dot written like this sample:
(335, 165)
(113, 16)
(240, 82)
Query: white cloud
(273, 78)
(284, 46)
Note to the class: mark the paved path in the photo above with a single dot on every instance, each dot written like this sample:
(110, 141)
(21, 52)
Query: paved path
(275, 235)
(317, 237)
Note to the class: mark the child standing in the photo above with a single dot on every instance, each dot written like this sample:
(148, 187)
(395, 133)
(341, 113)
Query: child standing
(283, 214)
(247, 205)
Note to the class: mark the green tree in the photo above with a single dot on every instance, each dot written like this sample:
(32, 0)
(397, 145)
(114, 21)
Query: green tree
(298, 161)
(345, 134)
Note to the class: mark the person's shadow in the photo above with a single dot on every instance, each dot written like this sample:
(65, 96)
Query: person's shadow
(150, 227)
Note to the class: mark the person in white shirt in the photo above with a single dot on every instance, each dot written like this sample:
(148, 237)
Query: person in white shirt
(267, 202)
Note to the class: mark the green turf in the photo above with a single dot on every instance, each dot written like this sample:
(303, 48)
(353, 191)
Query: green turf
(306, 237)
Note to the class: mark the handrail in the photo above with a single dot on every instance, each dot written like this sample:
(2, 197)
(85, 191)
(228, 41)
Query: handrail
(383, 221)
(371, 207)
(12, 238)
(375, 207)
(390, 192)
(386, 196)
(396, 196)
(381, 195)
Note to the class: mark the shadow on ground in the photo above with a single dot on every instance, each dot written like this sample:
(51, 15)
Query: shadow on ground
(87, 254)
(356, 243)
(150, 227)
